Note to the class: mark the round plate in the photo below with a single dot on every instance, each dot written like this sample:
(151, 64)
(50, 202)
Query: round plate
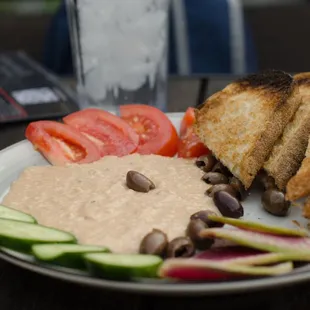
(14, 159)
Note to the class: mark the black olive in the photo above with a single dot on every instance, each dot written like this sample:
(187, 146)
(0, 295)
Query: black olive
(154, 243)
(193, 229)
(215, 178)
(139, 182)
(267, 181)
(206, 162)
(238, 186)
(220, 168)
(228, 205)
(222, 187)
(180, 247)
(274, 202)
(203, 215)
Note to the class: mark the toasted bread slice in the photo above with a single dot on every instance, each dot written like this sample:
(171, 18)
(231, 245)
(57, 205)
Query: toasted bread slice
(241, 123)
(289, 150)
(306, 209)
(299, 185)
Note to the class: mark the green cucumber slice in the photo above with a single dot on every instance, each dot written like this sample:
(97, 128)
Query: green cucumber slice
(67, 255)
(123, 266)
(20, 236)
(12, 214)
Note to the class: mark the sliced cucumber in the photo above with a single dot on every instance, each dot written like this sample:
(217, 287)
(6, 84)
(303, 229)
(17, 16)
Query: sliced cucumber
(12, 214)
(21, 236)
(67, 255)
(123, 266)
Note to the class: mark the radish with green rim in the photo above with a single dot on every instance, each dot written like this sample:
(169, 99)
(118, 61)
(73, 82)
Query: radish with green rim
(196, 269)
(67, 255)
(243, 256)
(12, 214)
(300, 246)
(200, 266)
(20, 236)
(259, 227)
(123, 266)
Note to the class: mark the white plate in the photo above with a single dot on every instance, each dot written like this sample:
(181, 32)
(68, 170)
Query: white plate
(14, 159)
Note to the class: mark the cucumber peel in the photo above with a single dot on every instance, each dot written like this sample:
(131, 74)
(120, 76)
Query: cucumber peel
(20, 236)
(12, 214)
(259, 227)
(123, 266)
(67, 255)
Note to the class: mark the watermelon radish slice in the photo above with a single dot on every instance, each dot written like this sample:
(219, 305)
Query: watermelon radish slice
(255, 226)
(198, 269)
(243, 256)
(299, 246)
(228, 253)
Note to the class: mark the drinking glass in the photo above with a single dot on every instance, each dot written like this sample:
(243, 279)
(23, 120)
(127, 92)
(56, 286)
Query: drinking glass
(120, 51)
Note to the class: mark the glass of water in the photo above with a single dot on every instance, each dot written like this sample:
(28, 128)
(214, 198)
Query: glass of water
(120, 51)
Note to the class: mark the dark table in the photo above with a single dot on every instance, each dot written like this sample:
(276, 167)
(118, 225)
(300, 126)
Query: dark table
(23, 290)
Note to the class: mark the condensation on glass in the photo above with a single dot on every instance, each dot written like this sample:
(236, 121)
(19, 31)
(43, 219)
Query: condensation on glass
(120, 51)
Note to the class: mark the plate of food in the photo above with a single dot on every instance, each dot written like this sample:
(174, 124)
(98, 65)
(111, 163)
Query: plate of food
(210, 201)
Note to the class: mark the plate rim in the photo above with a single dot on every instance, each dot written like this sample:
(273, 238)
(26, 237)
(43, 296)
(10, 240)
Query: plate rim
(186, 289)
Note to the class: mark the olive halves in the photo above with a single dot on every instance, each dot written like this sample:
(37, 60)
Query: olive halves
(154, 243)
(215, 178)
(220, 168)
(203, 215)
(180, 247)
(139, 182)
(238, 186)
(206, 162)
(221, 187)
(274, 202)
(266, 181)
(193, 232)
(228, 205)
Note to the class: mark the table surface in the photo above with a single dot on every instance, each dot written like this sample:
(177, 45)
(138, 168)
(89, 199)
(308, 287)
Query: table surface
(23, 290)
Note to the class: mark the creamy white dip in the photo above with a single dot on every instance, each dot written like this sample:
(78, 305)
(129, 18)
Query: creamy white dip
(93, 202)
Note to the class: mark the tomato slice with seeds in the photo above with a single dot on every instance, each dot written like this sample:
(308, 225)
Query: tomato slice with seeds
(109, 132)
(189, 145)
(60, 144)
(157, 133)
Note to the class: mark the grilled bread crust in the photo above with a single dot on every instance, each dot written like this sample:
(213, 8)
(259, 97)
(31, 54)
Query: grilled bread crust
(289, 150)
(241, 123)
(299, 185)
(306, 209)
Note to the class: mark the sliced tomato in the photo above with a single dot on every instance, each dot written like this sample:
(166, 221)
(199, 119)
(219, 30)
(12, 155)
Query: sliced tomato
(60, 144)
(187, 121)
(189, 145)
(109, 132)
(157, 133)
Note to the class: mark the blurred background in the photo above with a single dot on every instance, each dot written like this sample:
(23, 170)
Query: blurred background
(276, 34)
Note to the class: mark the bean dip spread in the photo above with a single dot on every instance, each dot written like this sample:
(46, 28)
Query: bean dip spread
(94, 203)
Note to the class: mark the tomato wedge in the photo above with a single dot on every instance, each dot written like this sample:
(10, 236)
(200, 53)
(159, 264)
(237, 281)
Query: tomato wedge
(109, 132)
(187, 121)
(189, 145)
(157, 133)
(60, 144)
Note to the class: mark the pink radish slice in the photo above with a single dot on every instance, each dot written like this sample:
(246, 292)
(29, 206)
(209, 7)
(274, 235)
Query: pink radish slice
(227, 253)
(259, 227)
(188, 270)
(262, 241)
(198, 269)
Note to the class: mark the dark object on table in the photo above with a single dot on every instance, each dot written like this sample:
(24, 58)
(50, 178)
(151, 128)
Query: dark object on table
(29, 92)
